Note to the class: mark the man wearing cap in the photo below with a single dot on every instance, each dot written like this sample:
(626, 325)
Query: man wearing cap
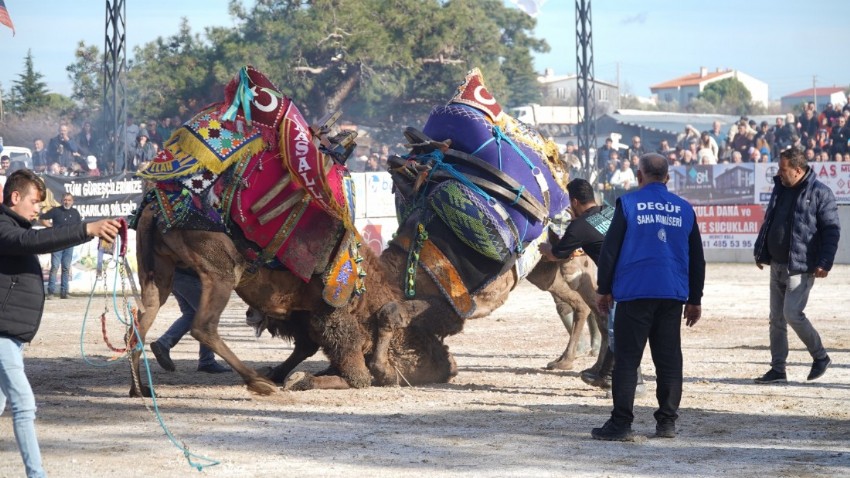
(143, 150)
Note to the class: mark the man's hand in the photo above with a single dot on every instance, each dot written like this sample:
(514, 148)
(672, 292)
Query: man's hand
(820, 272)
(105, 229)
(604, 303)
(546, 250)
(692, 314)
(760, 266)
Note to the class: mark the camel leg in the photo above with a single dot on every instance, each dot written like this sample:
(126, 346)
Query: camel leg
(343, 342)
(214, 297)
(304, 347)
(155, 291)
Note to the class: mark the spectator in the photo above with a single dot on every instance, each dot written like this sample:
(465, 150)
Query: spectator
(663, 148)
(708, 152)
(5, 164)
(807, 124)
(87, 140)
(719, 137)
(39, 156)
(164, 129)
(62, 149)
(142, 150)
(737, 157)
(624, 178)
(840, 137)
(636, 149)
(764, 149)
(91, 163)
(66, 215)
(742, 141)
(604, 153)
(131, 134)
(153, 133)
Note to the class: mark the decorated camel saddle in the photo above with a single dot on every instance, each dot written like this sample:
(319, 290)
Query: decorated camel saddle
(254, 168)
(480, 189)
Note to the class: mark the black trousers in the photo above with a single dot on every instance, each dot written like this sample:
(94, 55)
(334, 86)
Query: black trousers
(658, 320)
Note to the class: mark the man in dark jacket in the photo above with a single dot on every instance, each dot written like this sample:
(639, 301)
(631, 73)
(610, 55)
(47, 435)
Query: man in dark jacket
(22, 295)
(799, 238)
(652, 264)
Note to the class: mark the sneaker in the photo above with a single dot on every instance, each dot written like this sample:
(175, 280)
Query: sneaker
(819, 367)
(665, 429)
(163, 356)
(214, 367)
(772, 376)
(50, 297)
(63, 296)
(610, 431)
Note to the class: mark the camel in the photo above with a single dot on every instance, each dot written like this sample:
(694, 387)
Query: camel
(379, 335)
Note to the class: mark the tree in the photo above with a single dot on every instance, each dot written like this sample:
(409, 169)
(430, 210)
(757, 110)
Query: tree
(382, 69)
(28, 91)
(86, 75)
(729, 96)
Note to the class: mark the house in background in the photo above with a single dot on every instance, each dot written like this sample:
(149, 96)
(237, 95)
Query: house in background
(686, 88)
(824, 94)
(561, 90)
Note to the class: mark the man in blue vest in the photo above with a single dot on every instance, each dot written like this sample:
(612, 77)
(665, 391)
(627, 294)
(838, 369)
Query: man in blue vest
(652, 264)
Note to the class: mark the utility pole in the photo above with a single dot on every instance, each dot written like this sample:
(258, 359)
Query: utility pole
(619, 93)
(815, 90)
(114, 68)
(586, 92)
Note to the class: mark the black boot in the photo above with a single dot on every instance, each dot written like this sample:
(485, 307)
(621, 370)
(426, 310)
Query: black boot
(602, 378)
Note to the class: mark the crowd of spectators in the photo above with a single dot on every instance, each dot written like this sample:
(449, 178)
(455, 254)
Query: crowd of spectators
(85, 151)
(824, 136)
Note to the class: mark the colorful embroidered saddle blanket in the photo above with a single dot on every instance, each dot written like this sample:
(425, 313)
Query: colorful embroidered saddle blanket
(483, 186)
(291, 207)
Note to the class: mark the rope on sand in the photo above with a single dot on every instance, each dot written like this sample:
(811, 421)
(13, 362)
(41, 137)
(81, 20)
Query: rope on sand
(127, 316)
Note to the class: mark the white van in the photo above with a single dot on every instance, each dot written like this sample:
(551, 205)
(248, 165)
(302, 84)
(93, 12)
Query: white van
(18, 154)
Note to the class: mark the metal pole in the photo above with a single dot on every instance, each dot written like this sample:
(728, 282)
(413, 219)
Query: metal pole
(586, 91)
(114, 67)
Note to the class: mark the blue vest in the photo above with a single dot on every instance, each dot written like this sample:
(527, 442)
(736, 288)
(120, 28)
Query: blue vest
(653, 260)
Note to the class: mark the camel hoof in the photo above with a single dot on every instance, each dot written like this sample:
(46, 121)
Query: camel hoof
(299, 381)
(560, 365)
(266, 372)
(145, 392)
(262, 386)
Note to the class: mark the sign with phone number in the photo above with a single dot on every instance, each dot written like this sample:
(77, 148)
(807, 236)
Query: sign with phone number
(729, 226)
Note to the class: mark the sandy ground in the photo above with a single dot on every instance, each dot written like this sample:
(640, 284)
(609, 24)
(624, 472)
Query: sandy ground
(503, 415)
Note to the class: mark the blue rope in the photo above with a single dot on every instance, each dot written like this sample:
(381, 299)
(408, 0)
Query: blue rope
(439, 164)
(242, 98)
(518, 195)
(198, 465)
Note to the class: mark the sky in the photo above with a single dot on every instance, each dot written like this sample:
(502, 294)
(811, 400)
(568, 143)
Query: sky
(786, 44)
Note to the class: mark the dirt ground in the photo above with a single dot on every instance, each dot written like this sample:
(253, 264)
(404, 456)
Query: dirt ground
(503, 415)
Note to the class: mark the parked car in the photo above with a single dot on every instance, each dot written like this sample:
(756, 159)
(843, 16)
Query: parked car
(20, 156)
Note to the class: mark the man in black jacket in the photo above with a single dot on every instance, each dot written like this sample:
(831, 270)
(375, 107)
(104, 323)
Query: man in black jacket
(798, 239)
(22, 295)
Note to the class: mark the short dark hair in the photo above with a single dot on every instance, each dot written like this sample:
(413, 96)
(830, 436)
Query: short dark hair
(796, 158)
(20, 181)
(581, 190)
(654, 166)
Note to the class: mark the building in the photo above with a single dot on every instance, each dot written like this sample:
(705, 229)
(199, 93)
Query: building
(820, 95)
(561, 90)
(686, 88)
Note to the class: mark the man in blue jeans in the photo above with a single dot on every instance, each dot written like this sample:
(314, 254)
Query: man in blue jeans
(186, 288)
(61, 216)
(22, 293)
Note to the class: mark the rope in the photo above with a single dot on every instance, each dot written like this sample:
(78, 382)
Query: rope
(133, 341)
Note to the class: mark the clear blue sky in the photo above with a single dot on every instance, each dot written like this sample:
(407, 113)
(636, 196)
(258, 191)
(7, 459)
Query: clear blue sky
(783, 43)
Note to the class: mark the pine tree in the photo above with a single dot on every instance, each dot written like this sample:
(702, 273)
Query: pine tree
(29, 91)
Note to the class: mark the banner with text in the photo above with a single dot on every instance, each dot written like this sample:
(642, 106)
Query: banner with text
(98, 197)
(729, 226)
(835, 175)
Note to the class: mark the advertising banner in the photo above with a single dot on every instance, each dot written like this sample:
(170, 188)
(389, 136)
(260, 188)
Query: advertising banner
(97, 197)
(729, 226)
(835, 175)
